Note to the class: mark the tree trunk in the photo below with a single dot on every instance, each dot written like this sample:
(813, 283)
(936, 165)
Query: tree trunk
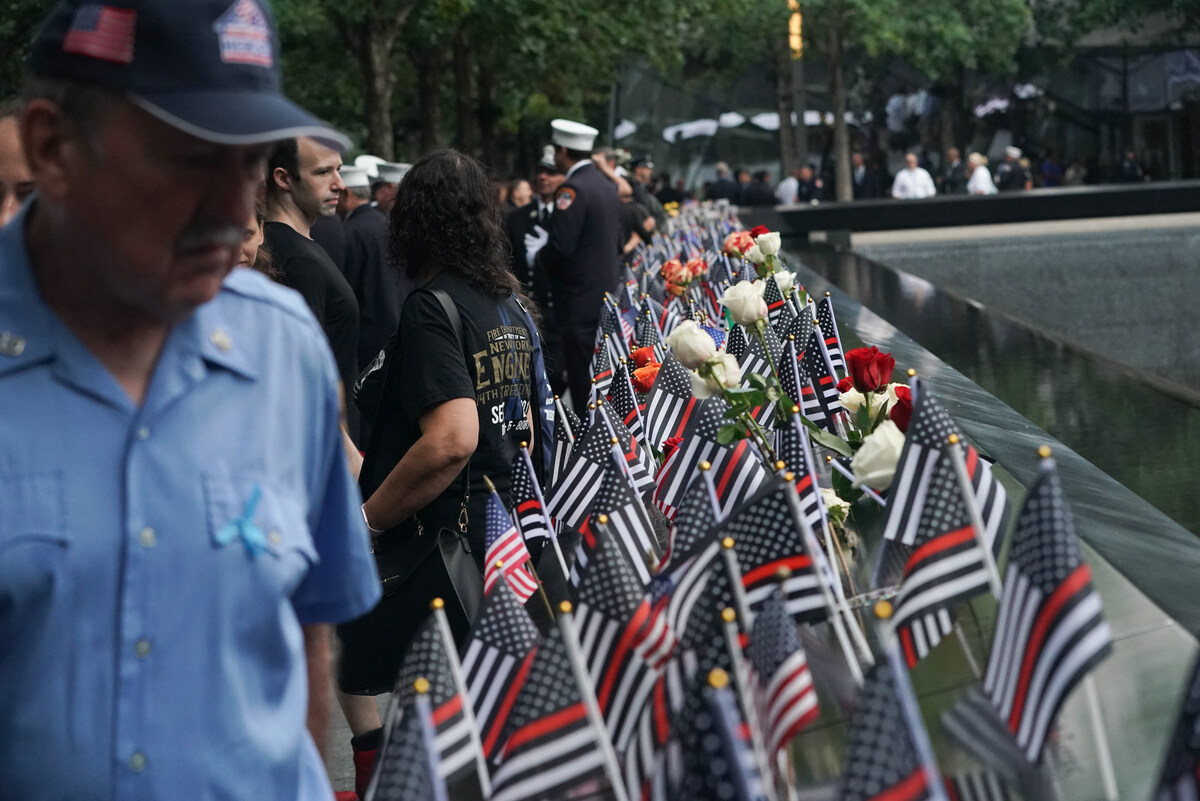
(376, 59)
(429, 96)
(841, 131)
(947, 94)
(784, 104)
(464, 102)
(800, 89)
(492, 152)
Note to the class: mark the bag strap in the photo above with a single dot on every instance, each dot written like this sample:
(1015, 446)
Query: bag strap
(451, 309)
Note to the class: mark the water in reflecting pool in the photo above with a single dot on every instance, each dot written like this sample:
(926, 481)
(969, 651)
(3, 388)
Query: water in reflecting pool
(1136, 429)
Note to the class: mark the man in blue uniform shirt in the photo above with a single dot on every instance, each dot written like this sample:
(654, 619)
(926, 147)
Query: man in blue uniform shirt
(177, 524)
(581, 251)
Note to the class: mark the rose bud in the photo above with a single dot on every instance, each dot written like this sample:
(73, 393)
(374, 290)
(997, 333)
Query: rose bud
(642, 356)
(670, 445)
(845, 384)
(643, 377)
(869, 368)
(901, 410)
(759, 230)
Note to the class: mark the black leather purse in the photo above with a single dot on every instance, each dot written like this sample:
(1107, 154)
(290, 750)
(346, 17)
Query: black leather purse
(398, 557)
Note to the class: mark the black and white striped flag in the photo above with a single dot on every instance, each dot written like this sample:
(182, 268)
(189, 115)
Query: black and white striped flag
(669, 404)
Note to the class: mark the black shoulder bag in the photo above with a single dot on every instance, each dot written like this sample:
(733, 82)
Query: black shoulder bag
(395, 561)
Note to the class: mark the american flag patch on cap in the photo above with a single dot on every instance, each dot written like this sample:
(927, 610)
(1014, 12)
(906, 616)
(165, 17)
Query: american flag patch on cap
(102, 32)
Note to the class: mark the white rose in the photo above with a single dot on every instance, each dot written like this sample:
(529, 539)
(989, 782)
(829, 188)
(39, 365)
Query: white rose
(833, 502)
(786, 281)
(755, 255)
(875, 462)
(720, 370)
(745, 303)
(768, 243)
(690, 344)
(852, 400)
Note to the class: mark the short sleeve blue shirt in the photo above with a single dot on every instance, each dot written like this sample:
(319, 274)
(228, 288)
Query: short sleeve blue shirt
(157, 562)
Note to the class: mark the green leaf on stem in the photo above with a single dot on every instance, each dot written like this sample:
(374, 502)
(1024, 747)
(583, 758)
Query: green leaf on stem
(883, 414)
(832, 442)
(730, 433)
(757, 381)
(845, 488)
(748, 396)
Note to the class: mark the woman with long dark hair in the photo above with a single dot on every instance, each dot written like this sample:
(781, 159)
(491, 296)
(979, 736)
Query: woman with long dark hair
(455, 407)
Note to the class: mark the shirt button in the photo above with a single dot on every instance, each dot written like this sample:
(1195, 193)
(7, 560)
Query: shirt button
(275, 537)
(142, 648)
(147, 537)
(143, 433)
(137, 762)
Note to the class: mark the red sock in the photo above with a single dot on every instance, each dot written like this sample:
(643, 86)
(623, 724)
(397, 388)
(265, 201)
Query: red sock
(366, 748)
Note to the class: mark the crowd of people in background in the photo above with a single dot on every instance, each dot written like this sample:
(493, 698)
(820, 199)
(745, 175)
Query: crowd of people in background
(924, 174)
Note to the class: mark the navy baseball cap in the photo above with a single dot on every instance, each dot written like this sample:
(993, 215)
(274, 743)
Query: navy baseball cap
(207, 67)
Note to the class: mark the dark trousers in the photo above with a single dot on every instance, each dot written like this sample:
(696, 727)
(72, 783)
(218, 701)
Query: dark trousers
(578, 346)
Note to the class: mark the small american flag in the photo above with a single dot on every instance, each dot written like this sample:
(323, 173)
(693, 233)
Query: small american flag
(624, 403)
(670, 402)
(427, 658)
(626, 522)
(699, 445)
(495, 660)
(527, 508)
(795, 451)
(617, 636)
(787, 700)
(602, 366)
(718, 759)
(552, 747)
(504, 544)
(829, 330)
(1050, 630)
(766, 538)
(407, 765)
(816, 365)
(946, 568)
(774, 300)
(927, 435)
(737, 342)
(881, 758)
(102, 32)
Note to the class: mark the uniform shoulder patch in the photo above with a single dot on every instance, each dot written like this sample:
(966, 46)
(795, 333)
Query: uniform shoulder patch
(564, 198)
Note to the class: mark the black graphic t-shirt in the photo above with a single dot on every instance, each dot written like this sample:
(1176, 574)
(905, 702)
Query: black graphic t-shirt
(493, 366)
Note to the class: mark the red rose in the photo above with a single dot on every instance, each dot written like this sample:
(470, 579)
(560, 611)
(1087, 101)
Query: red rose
(642, 356)
(696, 267)
(869, 368)
(670, 446)
(759, 230)
(845, 384)
(643, 377)
(902, 408)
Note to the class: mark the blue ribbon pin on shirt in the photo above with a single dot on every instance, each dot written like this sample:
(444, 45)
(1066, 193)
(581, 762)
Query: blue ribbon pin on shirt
(245, 527)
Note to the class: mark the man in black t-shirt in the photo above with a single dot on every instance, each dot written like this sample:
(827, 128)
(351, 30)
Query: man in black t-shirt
(303, 184)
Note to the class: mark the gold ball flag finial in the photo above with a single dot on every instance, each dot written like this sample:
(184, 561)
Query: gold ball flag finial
(780, 464)
(557, 398)
(705, 466)
(599, 402)
(795, 409)
(614, 440)
(437, 603)
(727, 543)
(499, 563)
(952, 439)
(911, 372)
(1044, 451)
(718, 679)
(421, 685)
(565, 607)
(783, 573)
(826, 294)
(728, 615)
(883, 609)
(524, 445)
(592, 406)
(602, 520)
(828, 459)
(789, 476)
